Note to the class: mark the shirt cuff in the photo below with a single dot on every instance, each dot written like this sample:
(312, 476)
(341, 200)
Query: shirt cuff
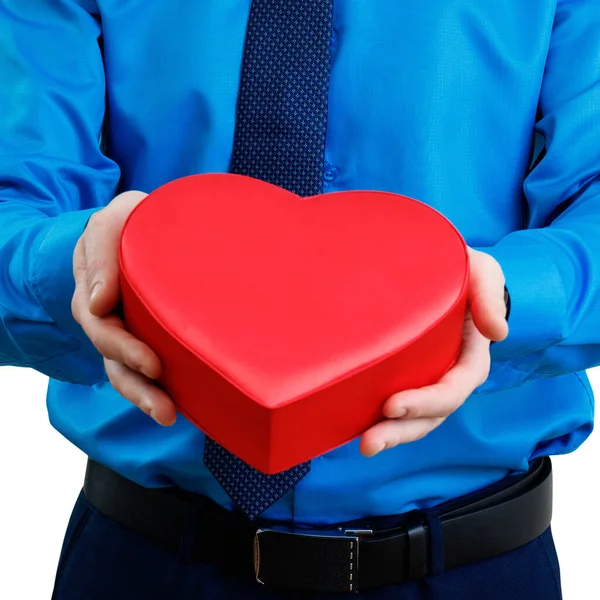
(537, 297)
(53, 284)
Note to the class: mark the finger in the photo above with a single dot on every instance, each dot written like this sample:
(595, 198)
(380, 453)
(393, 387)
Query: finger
(446, 396)
(102, 252)
(108, 334)
(113, 341)
(142, 392)
(486, 296)
(102, 277)
(390, 433)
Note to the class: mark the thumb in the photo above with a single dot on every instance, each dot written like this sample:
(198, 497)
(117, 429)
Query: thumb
(486, 296)
(102, 238)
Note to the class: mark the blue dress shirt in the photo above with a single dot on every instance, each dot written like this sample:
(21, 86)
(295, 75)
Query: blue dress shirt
(488, 111)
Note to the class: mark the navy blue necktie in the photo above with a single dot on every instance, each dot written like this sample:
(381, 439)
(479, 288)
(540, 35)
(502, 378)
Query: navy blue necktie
(280, 129)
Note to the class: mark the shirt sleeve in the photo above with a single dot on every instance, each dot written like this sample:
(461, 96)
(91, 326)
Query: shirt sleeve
(552, 268)
(53, 176)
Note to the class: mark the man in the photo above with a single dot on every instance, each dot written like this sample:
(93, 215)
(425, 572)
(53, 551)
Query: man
(489, 112)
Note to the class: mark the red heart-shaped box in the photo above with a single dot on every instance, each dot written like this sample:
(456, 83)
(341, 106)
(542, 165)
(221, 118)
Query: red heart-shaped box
(284, 323)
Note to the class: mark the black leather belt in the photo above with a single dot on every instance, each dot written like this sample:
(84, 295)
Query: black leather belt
(337, 559)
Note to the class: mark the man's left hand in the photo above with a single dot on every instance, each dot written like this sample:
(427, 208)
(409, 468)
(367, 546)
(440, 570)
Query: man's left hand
(412, 414)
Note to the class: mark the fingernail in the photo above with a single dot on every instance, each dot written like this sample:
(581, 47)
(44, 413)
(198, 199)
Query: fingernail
(145, 371)
(170, 423)
(152, 414)
(140, 368)
(95, 291)
(379, 448)
(147, 408)
(401, 412)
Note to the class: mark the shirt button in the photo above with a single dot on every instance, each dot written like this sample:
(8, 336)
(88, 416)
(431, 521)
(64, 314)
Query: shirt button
(330, 173)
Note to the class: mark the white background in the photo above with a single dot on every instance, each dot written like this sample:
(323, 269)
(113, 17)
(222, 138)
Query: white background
(41, 475)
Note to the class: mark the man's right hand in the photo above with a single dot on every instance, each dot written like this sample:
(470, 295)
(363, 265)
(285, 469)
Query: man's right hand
(130, 364)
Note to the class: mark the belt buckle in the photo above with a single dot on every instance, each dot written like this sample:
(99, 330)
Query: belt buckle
(343, 542)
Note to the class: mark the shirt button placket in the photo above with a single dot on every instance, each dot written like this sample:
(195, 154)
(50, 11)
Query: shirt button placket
(329, 174)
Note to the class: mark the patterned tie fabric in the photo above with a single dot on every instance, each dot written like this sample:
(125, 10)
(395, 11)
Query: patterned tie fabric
(250, 489)
(280, 129)
(282, 104)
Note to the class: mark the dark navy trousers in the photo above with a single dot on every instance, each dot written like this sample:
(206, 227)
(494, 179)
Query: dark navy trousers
(101, 560)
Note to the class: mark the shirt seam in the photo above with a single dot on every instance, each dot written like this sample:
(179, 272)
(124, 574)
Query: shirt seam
(590, 397)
